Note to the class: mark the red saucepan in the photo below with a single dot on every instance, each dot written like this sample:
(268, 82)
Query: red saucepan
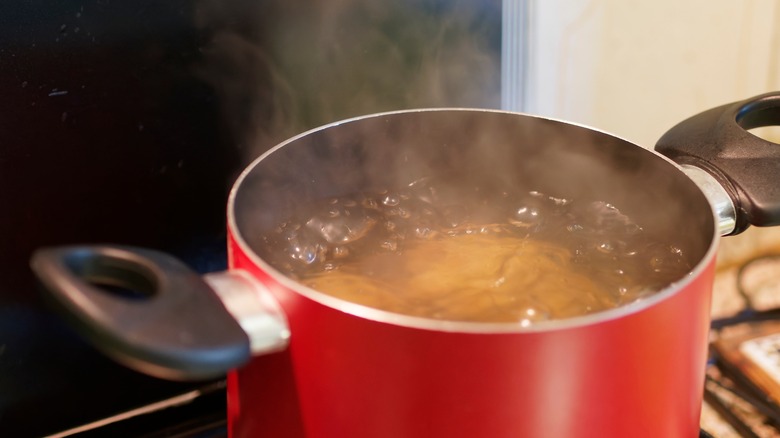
(302, 363)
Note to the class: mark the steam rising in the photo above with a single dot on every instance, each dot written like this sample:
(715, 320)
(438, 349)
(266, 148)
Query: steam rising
(281, 68)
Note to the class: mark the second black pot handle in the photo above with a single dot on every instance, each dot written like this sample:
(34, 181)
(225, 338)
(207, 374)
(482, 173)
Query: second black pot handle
(144, 308)
(745, 165)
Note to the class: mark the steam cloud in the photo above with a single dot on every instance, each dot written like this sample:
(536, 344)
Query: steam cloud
(283, 67)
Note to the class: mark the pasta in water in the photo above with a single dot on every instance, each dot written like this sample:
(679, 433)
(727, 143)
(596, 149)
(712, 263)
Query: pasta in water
(492, 256)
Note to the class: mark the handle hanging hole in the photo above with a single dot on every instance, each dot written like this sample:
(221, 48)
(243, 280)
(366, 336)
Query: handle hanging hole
(126, 289)
(760, 118)
(116, 276)
(769, 133)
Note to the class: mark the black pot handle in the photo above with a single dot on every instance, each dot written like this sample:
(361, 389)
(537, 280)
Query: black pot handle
(747, 166)
(144, 308)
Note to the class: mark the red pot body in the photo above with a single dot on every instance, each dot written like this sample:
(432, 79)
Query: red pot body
(355, 372)
(639, 375)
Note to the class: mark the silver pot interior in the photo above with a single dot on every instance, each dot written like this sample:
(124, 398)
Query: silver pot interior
(491, 150)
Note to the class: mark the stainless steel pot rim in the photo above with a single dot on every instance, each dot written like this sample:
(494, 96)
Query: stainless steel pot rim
(461, 326)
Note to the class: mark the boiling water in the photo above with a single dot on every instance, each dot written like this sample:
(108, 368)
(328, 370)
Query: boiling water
(474, 254)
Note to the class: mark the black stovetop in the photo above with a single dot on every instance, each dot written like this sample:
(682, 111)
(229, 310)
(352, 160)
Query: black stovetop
(108, 136)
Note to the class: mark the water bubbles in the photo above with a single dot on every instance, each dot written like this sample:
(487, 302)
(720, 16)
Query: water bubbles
(491, 229)
(630, 252)
(340, 252)
(663, 258)
(594, 240)
(560, 202)
(391, 200)
(531, 212)
(605, 247)
(288, 231)
(390, 245)
(307, 254)
(341, 226)
(398, 211)
(528, 213)
(369, 203)
(424, 232)
(604, 218)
